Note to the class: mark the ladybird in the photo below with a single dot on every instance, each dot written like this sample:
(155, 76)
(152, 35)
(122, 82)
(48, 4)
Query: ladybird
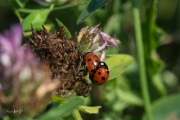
(101, 74)
(92, 62)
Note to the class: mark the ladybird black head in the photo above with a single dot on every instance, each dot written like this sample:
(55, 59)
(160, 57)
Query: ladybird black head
(103, 65)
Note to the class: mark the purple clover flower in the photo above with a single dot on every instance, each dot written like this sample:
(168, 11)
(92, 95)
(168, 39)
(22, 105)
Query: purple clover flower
(10, 52)
(23, 77)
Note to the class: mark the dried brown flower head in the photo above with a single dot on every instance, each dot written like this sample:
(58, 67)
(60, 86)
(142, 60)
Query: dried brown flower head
(63, 58)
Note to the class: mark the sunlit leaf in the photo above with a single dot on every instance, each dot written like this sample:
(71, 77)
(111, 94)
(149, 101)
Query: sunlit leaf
(58, 99)
(117, 64)
(68, 34)
(36, 18)
(90, 9)
(90, 110)
(27, 10)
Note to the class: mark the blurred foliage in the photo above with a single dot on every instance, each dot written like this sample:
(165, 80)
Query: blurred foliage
(120, 98)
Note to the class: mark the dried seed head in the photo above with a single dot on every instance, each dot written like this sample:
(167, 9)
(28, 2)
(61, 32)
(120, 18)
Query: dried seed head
(63, 58)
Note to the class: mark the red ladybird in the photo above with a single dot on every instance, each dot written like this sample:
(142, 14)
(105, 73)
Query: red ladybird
(101, 74)
(92, 61)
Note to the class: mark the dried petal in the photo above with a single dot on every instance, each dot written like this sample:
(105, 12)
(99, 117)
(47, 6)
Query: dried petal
(98, 40)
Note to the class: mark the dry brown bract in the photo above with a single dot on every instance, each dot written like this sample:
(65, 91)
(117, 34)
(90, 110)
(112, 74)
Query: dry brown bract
(63, 58)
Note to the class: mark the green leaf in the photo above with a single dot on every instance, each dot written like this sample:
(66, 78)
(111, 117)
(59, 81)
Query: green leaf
(129, 96)
(90, 9)
(90, 110)
(68, 34)
(36, 18)
(113, 28)
(117, 64)
(58, 99)
(62, 109)
(77, 115)
(158, 83)
(166, 108)
(27, 10)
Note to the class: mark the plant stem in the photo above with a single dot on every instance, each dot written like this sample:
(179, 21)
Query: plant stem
(77, 115)
(140, 52)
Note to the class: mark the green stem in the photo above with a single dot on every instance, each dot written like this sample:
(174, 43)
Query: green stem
(18, 15)
(21, 5)
(77, 115)
(140, 52)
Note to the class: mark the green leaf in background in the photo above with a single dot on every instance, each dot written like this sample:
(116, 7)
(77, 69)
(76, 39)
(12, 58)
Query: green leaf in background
(62, 109)
(128, 96)
(152, 35)
(90, 9)
(117, 64)
(36, 18)
(89, 110)
(166, 108)
(68, 34)
(113, 28)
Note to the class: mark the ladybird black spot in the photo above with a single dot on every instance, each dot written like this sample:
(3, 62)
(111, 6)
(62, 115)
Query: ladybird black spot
(103, 78)
(89, 59)
(107, 72)
(99, 73)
